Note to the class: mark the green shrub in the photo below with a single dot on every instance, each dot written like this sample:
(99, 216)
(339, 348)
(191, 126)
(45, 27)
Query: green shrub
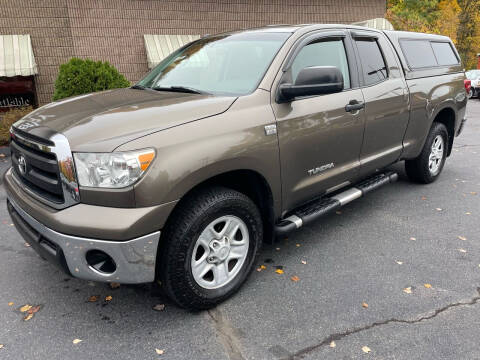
(79, 76)
(8, 118)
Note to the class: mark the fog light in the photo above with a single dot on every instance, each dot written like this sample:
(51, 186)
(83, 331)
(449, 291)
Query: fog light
(100, 261)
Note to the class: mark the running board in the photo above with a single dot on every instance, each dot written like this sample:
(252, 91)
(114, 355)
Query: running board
(313, 210)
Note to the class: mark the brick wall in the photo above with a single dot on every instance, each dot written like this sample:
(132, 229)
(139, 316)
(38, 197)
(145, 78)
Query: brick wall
(113, 30)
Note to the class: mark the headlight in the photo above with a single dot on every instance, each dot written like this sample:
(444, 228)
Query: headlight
(112, 170)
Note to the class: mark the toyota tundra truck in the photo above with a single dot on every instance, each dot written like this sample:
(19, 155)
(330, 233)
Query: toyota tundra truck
(232, 140)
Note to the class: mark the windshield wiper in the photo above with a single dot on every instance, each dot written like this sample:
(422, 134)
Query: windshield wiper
(184, 89)
(138, 87)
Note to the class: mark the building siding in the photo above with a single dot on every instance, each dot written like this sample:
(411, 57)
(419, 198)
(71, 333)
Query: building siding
(112, 30)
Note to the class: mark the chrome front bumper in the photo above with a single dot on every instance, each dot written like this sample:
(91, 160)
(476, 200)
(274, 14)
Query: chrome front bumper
(134, 259)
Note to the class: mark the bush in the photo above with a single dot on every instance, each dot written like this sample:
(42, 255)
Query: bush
(80, 76)
(7, 119)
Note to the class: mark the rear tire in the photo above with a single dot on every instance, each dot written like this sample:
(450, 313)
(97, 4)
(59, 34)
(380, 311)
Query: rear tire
(209, 247)
(427, 167)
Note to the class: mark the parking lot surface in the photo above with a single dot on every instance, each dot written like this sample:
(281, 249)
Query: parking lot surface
(394, 275)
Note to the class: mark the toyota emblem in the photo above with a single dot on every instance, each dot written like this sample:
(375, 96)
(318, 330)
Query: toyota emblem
(22, 165)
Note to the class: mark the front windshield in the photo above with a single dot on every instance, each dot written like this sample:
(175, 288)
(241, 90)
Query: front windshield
(221, 65)
(473, 74)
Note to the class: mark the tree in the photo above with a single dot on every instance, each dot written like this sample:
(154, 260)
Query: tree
(79, 76)
(447, 22)
(468, 32)
(414, 15)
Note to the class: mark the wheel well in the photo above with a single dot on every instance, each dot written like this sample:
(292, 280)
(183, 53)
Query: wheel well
(251, 184)
(447, 117)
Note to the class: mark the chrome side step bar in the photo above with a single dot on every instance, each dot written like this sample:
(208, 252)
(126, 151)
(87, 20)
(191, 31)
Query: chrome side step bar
(313, 210)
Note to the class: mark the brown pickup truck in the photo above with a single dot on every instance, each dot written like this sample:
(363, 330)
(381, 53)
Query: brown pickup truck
(231, 140)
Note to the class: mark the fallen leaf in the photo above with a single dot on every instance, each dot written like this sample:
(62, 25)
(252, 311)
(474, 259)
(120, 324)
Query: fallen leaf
(366, 349)
(93, 298)
(159, 351)
(28, 317)
(10, 303)
(114, 285)
(408, 290)
(304, 262)
(365, 305)
(25, 308)
(428, 286)
(33, 309)
(399, 262)
(413, 239)
(108, 298)
(159, 307)
(462, 250)
(332, 344)
(462, 238)
(76, 341)
(261, 267)
(297, 245)
(295, 278)
(279, 271)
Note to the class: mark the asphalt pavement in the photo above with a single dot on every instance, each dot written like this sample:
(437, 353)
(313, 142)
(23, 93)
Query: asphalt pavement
(394, 275)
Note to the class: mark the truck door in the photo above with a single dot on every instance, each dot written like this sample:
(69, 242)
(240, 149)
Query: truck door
(320, 137)
(386, 100)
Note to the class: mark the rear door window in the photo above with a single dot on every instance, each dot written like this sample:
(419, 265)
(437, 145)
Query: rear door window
(444, 53)
(373, 63)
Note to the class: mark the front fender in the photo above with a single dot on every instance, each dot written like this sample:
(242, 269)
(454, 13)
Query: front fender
(192, 153)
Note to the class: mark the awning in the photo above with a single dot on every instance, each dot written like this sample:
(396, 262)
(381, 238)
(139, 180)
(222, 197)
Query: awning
(160, 46)
(377, 23)
(16, 56)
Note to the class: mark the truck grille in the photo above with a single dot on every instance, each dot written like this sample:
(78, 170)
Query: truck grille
(40, 172)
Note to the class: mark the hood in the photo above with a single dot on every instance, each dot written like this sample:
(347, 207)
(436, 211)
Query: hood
(100, 122)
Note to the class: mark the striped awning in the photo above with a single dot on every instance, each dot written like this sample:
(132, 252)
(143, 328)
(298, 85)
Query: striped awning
(160, 46)
(377, 23)
(16, 56)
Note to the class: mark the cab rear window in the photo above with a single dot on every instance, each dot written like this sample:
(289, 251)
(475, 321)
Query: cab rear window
(424, 53)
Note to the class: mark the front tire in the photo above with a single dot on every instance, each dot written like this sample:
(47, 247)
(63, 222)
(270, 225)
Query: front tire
(209, 247)
(426, 168)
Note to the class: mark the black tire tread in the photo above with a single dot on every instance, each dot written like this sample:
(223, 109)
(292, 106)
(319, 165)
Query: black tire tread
(417, 169)
(175, 247)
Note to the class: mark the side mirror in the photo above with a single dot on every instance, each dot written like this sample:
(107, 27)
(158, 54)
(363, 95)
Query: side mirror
(313, 80)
